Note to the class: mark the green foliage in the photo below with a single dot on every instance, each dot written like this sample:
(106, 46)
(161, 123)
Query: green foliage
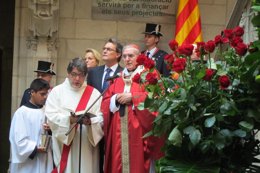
(210, 129)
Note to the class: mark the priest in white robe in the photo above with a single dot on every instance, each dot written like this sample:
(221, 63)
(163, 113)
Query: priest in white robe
(74, 95)
(27, 153)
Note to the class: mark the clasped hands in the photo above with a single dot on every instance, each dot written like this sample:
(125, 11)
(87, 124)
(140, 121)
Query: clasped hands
(124, 98)
(74, 119)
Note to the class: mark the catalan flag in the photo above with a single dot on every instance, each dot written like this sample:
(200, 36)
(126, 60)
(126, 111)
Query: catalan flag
(188, 24)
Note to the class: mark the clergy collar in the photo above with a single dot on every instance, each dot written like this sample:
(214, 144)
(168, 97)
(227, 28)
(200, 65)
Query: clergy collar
(33, 106)
(127, 72)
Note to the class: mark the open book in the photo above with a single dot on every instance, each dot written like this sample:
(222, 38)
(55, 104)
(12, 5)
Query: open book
(88, 114)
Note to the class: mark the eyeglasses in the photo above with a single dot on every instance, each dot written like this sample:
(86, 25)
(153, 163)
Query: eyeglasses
(128, 55)
(80, 75)
(108, 49)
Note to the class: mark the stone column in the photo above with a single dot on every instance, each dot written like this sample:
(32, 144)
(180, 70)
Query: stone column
(36, 35)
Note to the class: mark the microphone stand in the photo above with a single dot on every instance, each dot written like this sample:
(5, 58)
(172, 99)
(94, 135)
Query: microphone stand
(80, 121)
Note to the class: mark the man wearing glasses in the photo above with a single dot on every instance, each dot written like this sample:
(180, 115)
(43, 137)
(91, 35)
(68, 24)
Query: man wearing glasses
(97, 76)
(111, 55)
(64, 103)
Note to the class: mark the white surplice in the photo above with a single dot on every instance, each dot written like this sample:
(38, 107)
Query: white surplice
(25, 134)
(62, 100)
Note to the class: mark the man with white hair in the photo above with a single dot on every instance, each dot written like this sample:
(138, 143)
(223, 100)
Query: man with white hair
(124, 124)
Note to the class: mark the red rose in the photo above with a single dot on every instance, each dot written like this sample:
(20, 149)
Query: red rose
(228, 33)
(224, 81)
(210, 46)
(179, 65)
(173, 44)
(238, 31)
(149, 63)
(137, 78)
(200, 45)
(200, 49)
(209, 74)
(241, 49)
(186, 49)
(141, 59)
(235, 41)
(225, 40)
(151, 78)
(218, 39)
(169, 58)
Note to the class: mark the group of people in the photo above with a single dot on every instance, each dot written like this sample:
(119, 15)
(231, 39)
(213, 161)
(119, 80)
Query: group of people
(92, 117)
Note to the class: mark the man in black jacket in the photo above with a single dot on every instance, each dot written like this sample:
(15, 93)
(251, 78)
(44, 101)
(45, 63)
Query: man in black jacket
(151, 40)
(45, 72)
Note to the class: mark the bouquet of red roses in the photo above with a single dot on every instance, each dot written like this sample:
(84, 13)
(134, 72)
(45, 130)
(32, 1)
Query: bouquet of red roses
(209, 107)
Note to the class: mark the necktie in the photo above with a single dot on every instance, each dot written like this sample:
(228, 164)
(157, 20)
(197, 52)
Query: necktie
(106, 83)
(147, 54)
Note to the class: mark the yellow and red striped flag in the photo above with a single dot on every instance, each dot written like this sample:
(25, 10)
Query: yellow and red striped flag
(188, 24)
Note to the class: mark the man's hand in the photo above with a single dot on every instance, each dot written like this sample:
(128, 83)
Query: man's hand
(74, 119)
(41, 150)
(46, 127)
(86, 121)
(124, 98)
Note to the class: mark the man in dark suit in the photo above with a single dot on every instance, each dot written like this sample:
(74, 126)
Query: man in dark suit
(97, 76)
(151, 40)
(111, 56)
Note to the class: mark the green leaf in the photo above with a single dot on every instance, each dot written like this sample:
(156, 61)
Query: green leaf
(221, 72)
(175, 137)
(257, 78)
(184, 166)
(240, 133)
(228, 108)
(235, 82)
(219, 141)
(256, 21)
(188, 130)
(150, 133)
(141, 106)
(247, 126)
(163, 106)
(226, 133)
(200, 74)
(209, 122)
(195, 137)
(183, 93)
(251, 58)
(150, 95)
(256, 8)
(208, 114)
(193, 107)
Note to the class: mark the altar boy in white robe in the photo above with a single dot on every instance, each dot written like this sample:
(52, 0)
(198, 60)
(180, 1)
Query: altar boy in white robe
(27, 127)
(64, 103)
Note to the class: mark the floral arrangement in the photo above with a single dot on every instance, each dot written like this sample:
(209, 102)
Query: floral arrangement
(209, 108)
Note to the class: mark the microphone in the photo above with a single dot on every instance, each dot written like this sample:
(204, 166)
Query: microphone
(114, 77)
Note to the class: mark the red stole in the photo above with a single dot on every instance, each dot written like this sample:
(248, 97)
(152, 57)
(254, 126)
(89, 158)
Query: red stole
(66, 148)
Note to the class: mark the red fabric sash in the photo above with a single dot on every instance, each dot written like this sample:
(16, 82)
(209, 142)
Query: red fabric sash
(66, 148)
